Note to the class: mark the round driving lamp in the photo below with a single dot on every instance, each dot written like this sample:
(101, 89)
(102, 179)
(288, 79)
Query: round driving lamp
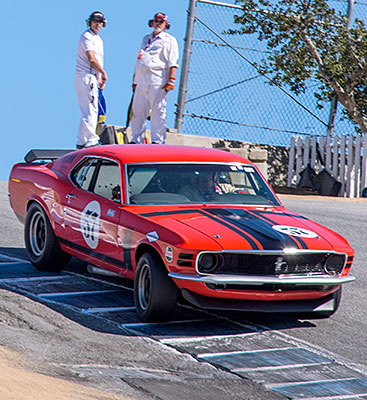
(334, 264)
(208, 262)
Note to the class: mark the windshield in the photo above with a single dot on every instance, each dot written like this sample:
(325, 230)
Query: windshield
(197, 183)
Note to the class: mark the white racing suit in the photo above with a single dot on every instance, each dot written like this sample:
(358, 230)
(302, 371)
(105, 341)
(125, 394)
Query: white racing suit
(87, 92)
(157, 55)
(86, 85)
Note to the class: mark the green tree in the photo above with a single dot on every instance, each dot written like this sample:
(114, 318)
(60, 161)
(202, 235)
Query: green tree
(310, 40)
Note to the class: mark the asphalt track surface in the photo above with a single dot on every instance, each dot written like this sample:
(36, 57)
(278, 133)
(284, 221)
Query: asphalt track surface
(83, 327)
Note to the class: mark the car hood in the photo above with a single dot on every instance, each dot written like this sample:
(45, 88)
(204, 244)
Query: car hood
(234, 228)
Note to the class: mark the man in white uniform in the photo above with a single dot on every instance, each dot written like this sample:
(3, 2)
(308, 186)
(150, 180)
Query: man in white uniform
(89, 74)
(154, 77)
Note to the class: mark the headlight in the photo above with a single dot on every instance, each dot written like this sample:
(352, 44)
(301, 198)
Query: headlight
(209, 262)
(334, 264)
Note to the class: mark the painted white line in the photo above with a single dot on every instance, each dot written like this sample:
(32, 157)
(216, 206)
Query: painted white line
(301, 383)
(300, 344)
(142, 325)
(90, 278)
(338, 397)
(10, 258)
(11, 263)
(231, 353)
(68, 294)
(33, 278)
(94, 310)
(280, 367)
(173, 341)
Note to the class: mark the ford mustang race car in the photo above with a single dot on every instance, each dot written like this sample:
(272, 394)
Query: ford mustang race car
(202, 224)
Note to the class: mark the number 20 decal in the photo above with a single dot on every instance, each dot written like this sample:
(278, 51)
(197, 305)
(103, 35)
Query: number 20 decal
(89, 223)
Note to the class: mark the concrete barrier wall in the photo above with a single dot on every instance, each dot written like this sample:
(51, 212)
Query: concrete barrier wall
(255, 153)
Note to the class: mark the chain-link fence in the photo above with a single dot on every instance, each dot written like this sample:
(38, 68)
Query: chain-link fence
(226, 96)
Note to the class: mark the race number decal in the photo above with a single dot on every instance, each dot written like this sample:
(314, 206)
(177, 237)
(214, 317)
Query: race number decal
(295, 231)
(89, 223)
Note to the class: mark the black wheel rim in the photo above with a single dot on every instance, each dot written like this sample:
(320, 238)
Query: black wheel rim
(37, 233)
(144, 286)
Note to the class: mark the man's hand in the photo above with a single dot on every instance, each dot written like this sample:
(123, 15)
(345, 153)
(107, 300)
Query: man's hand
(103, 79)
(170, 85)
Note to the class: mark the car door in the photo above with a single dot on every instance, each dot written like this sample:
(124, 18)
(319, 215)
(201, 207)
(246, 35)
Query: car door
(92, 210)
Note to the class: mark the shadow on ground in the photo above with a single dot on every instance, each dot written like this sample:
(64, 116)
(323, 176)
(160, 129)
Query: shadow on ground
(106, 304)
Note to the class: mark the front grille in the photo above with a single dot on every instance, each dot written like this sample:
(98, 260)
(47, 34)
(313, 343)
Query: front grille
(270, 264)
(185, 259)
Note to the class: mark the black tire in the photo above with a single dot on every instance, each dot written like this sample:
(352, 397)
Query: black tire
(43, 249)
(155, 293)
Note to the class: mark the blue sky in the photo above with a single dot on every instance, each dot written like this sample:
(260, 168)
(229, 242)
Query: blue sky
(39, 42)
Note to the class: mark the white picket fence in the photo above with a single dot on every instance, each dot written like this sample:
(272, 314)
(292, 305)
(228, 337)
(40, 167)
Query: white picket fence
(344, 158)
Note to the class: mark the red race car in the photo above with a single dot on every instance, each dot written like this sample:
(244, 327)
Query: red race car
(198, 222)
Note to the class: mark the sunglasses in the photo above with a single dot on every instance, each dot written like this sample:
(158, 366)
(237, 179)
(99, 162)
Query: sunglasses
(98, 21)
(159, 21)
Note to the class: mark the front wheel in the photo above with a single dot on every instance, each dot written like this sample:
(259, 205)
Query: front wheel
(43, 249)
(155, 293)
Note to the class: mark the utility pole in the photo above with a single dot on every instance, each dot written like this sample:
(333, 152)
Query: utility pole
(182, 91)
(334, 102)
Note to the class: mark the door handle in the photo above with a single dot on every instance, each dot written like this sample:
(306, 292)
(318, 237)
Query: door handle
(71, 196)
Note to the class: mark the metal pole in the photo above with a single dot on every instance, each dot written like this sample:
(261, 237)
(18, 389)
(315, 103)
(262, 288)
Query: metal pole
(334, 102)
(350, 12)
(180, 106)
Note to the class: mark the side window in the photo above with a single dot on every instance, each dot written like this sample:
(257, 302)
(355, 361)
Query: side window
(83, 173)
(108, 183)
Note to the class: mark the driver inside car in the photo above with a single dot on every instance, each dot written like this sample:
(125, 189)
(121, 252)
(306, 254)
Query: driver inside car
(201, 187)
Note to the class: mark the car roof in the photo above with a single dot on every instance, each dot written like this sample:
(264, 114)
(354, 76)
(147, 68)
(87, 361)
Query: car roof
(142, 153)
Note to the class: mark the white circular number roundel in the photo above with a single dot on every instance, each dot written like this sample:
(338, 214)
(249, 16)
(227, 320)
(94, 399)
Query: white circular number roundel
(89, 223)
(295, 231)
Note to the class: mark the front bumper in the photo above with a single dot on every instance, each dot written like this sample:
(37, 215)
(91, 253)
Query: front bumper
(324, 304)
(264, 280)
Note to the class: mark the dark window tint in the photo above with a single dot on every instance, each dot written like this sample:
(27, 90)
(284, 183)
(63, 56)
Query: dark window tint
(83, 173)
(108, 183)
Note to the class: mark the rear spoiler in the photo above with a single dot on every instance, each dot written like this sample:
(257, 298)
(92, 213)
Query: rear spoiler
(45, 155)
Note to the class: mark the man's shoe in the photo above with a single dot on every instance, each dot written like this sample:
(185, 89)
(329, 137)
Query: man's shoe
(93, 145)
(83, 146)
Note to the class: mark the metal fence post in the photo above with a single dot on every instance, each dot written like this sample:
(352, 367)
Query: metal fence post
(185, 65)
(334, 102)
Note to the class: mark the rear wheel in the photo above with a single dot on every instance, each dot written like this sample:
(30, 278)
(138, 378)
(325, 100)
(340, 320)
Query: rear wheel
(43, 249)
(155, 293)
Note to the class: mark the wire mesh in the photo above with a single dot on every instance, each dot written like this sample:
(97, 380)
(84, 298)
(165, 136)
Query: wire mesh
(228, 99)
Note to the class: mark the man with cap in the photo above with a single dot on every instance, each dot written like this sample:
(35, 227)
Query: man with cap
(89, 75)
(154, 77)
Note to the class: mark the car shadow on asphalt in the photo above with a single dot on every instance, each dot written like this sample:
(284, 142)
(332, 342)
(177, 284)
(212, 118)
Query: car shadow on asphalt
(106, 304)
(14, 252)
